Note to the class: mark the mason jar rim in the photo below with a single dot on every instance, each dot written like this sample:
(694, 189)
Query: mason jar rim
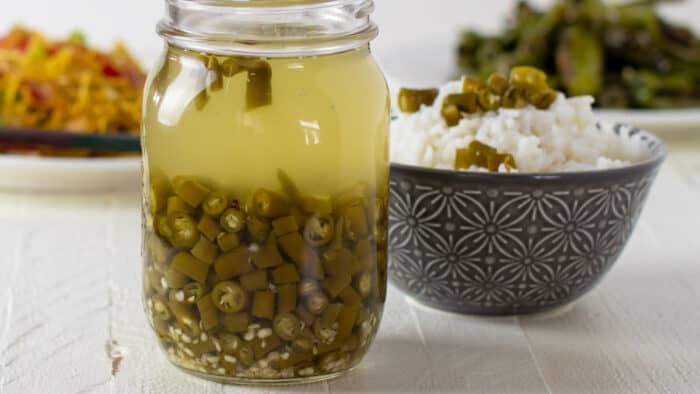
(269, 28)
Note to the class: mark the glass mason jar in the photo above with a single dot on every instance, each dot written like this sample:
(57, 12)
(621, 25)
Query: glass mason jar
(265, 178)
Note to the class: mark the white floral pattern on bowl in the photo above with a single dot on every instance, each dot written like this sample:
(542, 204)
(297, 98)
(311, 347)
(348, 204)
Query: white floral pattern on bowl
(505, 244)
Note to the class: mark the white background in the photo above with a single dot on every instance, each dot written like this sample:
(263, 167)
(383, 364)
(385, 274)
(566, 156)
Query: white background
(421, 31)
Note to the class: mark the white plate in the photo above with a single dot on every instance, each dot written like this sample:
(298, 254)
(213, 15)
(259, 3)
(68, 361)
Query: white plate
(32, 173)
(661, 122)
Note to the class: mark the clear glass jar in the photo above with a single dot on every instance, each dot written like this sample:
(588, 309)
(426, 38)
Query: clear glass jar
(265, 178)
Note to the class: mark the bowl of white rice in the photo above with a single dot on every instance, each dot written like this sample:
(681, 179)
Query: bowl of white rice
(521, 238)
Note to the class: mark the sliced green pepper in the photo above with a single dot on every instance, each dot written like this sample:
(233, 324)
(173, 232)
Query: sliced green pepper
(263, 305)
(208, 312)
(285, 274)
(190, 190)
(234, 263)
(286, 298)
(215, 204)
(209, 228)
(269, 256)
(232, 220)
(255, 281)
(235, 322)
(410, 100)
(319, 230)
(190, 266)
(229, 297)
(334, 285)
(270, 204)
(228, 241)
(184, 230)
(284, 225)
(287, 326)
(205, 250)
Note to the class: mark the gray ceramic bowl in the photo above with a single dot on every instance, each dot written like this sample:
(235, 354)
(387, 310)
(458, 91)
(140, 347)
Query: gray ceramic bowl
(511, 243)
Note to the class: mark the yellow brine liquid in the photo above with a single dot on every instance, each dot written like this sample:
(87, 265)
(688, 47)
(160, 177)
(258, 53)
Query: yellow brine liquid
(326, 126)
(265, 213)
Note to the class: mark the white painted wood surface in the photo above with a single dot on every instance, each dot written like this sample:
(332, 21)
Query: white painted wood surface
(71, 318)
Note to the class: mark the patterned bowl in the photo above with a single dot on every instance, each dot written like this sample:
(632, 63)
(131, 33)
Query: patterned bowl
(499, 244)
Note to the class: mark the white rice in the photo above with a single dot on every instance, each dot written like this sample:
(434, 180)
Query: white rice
(562, 138)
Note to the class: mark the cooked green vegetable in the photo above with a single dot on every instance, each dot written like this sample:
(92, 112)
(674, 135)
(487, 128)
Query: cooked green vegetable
(410, 100)
(208, 312)
(229, 297)
(481, 155)
(190, 190)
(259, 88)
(263, 305)
(287, 326)
(285, 274)
(186, 264)
(280, 281)
(255, 281)
(232, 220)
(270, 204)
(215, 204)
(184, 230)
(286, 298)
(205, 250)
(191, 293)
(228, 241)
(209, 228)
(319, 230)
(587, 46)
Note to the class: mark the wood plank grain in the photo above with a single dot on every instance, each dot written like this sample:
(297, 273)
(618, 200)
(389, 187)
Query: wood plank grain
(135, 361)
(638, 331)
(477, 354)
(58, 300)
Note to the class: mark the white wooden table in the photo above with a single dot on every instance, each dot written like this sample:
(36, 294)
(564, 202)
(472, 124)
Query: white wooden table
(71, 318)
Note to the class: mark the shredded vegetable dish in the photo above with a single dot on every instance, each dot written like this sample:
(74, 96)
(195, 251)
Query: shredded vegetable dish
(66, 85)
